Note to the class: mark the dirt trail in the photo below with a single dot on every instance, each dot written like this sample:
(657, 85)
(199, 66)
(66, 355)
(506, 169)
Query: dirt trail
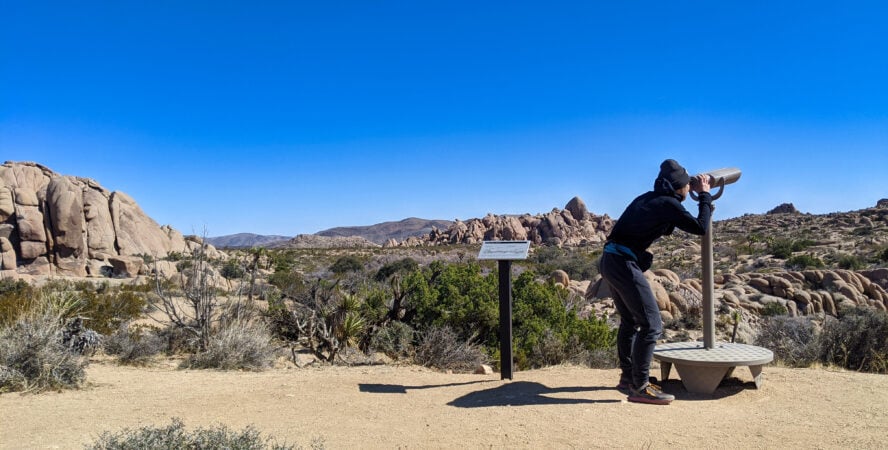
(411, 407)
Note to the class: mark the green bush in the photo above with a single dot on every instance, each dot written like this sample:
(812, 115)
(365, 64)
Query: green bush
(542, 321)
(290, 282)
(792, 339)
(579, 264)
(782, 248)
(232, 270)
(883, 257)
(33, 357)
(16, 298)
(774, 309)
(858, 340)
(804, 261)
(174, 436)
(457, 296)
(346, 264)
(460, 297)
(404, 265)
(850, 262)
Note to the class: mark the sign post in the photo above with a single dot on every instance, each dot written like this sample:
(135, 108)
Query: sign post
(505, 252)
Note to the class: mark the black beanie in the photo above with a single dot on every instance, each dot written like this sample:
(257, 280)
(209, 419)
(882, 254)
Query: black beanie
(674, 173)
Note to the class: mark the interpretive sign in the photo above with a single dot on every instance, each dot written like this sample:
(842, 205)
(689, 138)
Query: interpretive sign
(504, 250)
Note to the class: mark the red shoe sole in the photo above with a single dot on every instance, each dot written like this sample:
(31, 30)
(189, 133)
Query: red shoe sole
(649, 401)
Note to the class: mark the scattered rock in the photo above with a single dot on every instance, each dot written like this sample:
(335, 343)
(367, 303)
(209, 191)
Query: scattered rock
(484, 369)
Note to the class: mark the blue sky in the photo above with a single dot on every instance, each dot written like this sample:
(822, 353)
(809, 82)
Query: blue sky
(293, 117)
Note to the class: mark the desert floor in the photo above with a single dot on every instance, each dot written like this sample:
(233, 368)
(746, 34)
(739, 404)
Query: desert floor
(412, 407)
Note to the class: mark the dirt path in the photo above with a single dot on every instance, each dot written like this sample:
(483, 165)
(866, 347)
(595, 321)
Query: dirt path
(410, 407)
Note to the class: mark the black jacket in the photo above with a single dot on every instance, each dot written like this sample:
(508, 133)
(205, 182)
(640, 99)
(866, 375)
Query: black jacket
(657, 213)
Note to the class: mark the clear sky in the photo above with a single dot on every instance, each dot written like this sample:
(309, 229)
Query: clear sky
(288, 117)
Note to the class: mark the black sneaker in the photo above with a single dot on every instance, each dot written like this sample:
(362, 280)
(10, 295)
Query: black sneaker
(650, 393)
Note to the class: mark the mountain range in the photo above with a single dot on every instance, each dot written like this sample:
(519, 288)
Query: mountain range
(378, 233)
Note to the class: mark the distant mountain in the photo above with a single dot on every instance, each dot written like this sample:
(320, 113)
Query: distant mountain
(382, 232)
(245, 240)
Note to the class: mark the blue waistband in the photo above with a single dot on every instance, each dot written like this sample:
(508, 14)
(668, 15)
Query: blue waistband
(617, 249)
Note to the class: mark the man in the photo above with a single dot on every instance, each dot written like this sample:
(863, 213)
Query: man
(652, 215)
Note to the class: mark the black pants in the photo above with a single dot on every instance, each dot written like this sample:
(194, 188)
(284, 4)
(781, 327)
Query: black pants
(640, 323)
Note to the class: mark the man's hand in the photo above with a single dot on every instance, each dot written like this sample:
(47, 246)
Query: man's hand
(701, 184)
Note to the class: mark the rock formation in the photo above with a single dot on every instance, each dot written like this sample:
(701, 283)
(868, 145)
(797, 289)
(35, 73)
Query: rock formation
(53, 224)
(801, 293)
(572, 226)
(784, 208)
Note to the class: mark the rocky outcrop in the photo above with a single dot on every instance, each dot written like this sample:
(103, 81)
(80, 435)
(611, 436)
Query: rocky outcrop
(572, 226)
(784, 208)
(52, 224)
(800, 293)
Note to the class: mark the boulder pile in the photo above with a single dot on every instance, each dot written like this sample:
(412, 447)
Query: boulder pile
(572, 226)
(60, 225)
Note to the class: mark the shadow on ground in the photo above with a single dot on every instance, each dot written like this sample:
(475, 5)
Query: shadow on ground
(524, 393)
(519, 393)
(401, 389)
(728, 387)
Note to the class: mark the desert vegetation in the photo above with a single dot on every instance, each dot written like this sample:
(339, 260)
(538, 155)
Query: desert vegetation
(249, 309)
(175, 435)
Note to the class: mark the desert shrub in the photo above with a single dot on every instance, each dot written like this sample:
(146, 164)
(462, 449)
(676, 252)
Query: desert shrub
(782, 248)
(134, 345)
(883, 256)
(579, 264)
(461, 297)
(16, 298)
(774, 309)
(33, 357)
(850, 262)
(441, 348)
(552, 349)
(346, 264)
(457, 296)
(175, 256)
(395, 339)
(404, 265)
(290, 282)
(792, 339)
(546, 331)
(106, 310)
(601, 358)
(175, 436)
(804, 261)
(232, 269)
(858, 340)
(177, 340)
(236, 345)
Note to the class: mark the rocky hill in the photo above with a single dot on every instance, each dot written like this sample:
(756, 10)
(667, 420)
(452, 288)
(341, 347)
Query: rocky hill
(326, 242)
(386, 231)
(246, 240)
(61, 225)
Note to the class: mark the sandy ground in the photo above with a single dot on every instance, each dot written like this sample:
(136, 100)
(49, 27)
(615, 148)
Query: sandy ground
(411, 407)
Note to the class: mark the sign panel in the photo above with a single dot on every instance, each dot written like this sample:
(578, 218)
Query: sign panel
(504, 250)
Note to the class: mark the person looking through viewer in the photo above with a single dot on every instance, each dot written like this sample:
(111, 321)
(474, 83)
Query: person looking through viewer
(651, 215)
